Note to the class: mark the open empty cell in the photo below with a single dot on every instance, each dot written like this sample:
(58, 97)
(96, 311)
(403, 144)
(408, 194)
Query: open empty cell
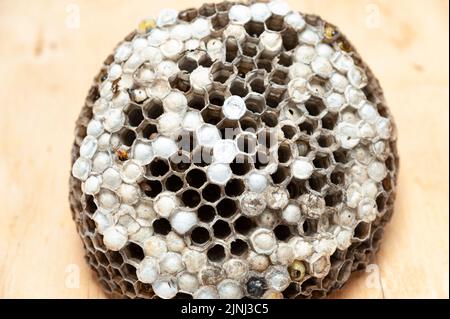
(211, 193)
(196, 178)
(226, 207)
(191, 198)
(221, 229)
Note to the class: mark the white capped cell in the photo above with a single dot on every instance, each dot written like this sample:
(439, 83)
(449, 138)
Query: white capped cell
(165, 287)
(200, 78)
(219, 173)
(164, 147)
(183, 221)
(260, 12)
(192, 120)
(302, 168)
(115, 238)
(165, 204)
(148, 270)
(234, 107)
(224, 151)
(240, 14)
(263, 241)
(295, 20)
(111, 178)
(142, 152)
(81, 168)
(167, 17)
(208, 135)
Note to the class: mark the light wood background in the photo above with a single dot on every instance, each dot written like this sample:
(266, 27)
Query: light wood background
(47, 63)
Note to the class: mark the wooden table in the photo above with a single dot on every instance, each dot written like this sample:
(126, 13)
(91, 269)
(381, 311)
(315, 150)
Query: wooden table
(48, 62)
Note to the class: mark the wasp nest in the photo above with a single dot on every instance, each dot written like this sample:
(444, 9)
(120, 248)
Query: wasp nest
(232, 151)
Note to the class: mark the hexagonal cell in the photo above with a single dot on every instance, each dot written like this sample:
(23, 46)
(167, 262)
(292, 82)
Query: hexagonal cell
(314, 106)
(220, 21)
(213, 115)
(231, 49)
(285, 59)
(322, 160)
(196, 101)
(270, 118)
(296, 188)
(221, 229)
(180, 162)
(281, 175)
(191, 198)
(238, 87)
(222, 72)
(289, 130)
(188, 15)
(196, 178)
(206, 213)
(337, 177)
(308, 126)
(200, 235)
(290, 39)
(161, 226)
(317, 182)
(329, 121)
(216, 253)
(244, 66)
(216, 95)
(205, 61)
(90, 205)
(274, 96)
(362, 231)
(275, 23)
(228, 129)
(143, 290)
(238, 247)
(89, 224)
(279, 77)
(115, 258)
(158, 167)
(326, 140)
(153, 108)
(207, 10)
(180, 82)
(241, 165)
(255, 103)
(333, 199)
(173, 183)
(244, 225)
(151, 188)
(264, 64)
(134, 115)
(250, 49)
(149, 131)
(211, 193)
(246, 143)
(261, 159)
(267, 139)
(202, 157)
(132, 252)
(187, 64)
(127, 136)
(282, 232)
(102, 260)
(226, 208)
(340, 156)
(318, 87)
(254, 28)
(234, 187)
(248, 124)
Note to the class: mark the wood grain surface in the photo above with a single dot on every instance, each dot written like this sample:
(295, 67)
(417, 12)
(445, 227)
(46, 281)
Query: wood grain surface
(47, 62)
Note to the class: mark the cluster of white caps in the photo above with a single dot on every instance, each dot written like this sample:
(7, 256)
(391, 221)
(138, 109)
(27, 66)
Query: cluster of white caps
(125, 214)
